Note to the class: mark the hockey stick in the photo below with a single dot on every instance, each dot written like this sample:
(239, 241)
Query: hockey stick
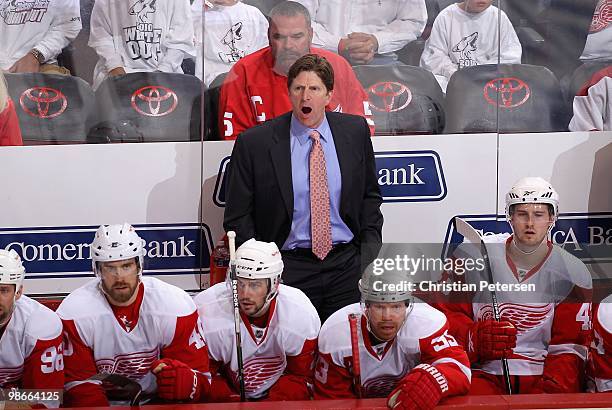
(120, 388)
(355, 353)
(472, 235)
(231, 236)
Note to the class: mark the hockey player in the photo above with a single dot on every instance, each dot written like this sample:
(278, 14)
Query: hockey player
(601, 348)
(279, 328)
(232, 30)
(30, 335)
(121, 323)
(255, 89)
(466, 34)
(543, 332)
(140, 35)
(593, 103)
(405, 350)
(34, 33)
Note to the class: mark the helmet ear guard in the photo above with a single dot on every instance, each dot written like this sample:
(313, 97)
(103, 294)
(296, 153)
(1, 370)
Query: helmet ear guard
(116, 243)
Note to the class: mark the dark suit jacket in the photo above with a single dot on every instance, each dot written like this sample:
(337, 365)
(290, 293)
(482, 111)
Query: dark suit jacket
(259, 195)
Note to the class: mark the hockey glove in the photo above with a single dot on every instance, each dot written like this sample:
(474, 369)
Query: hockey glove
(421, 389)
(177, 381)
(490, 340)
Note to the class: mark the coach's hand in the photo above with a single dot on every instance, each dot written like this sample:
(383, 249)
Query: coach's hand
(490, 340)
(177, 381)
(421, 389)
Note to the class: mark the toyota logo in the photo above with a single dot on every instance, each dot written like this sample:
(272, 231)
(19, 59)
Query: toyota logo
(513, 92)
(387, 96)
(154, 101)
(43, 102)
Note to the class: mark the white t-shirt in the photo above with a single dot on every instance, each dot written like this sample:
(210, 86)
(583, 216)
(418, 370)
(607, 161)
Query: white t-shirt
(46, 25)
(140, 35)
(460, 39)
(231, 32)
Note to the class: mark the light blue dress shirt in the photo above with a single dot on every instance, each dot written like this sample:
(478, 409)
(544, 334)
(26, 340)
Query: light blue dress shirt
(300, 143)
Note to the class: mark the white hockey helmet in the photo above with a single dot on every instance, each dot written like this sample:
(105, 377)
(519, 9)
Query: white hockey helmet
(260, 260)
(11, 269)
(116, 243)
(532, 190)
(384, 288)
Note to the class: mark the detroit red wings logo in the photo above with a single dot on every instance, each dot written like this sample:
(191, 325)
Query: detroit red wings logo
(10, 375)
(132, 365)
(381, 386)
(523, 317)
(259, 370)
(602, 16)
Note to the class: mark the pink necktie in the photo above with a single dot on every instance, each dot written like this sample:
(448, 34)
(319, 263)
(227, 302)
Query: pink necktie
(319, 200)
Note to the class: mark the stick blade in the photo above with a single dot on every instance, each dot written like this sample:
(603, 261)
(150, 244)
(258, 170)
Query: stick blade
(467, 231)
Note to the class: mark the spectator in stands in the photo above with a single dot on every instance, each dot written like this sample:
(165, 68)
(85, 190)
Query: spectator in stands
(34, 33)
(599, 40)
(10, 133)
(140, 35)
(232, 30)
(366, 32)
(466, 34)
(593, 104)
(255, 90)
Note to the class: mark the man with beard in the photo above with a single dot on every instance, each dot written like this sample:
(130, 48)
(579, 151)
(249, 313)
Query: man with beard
(255, 89)
(279, 328)
(121, 323)
(30, 335)
(405, 351)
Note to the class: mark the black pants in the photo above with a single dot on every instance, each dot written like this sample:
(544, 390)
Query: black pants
(331, 283)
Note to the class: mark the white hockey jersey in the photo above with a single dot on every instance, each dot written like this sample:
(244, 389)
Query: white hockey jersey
(601, 348)
(231, 32)
(552, 317)
(460, 39)
(423, 338)
(293, 326)
(593, 104)
(598, 44)
(140, 35)
(167, 327)
(47, 25)
(31, 348)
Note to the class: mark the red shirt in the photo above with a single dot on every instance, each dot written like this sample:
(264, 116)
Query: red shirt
(10, 134)
(253, 93)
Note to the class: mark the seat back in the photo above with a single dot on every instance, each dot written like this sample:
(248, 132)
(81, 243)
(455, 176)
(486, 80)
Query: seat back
(403, 99)
(212, 99)
(158, 106)
(513, 97)
(583, 74)
(52, 109)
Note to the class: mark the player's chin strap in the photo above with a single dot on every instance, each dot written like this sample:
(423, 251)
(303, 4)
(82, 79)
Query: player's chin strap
(365, 311)
(544, 240)
(10, 315)
(264, 308)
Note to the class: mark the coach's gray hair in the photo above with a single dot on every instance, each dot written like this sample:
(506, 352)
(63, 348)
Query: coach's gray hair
(290, 9)
(3, 93)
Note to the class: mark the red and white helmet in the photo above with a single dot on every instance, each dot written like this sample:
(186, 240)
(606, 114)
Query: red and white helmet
(532, 190)
(116, 243)
(260, 260)
(11, 269)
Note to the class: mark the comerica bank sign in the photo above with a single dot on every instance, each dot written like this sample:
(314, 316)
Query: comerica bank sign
(64, 251)
(403, 176)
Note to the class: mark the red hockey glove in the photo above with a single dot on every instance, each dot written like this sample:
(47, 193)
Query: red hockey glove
(289, 387)
(421, 389)
(490, 340)
(177, 381)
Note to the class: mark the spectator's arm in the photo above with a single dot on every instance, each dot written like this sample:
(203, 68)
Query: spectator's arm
(180, 39)
(65, 26)
(101, 36)
(407, 27)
